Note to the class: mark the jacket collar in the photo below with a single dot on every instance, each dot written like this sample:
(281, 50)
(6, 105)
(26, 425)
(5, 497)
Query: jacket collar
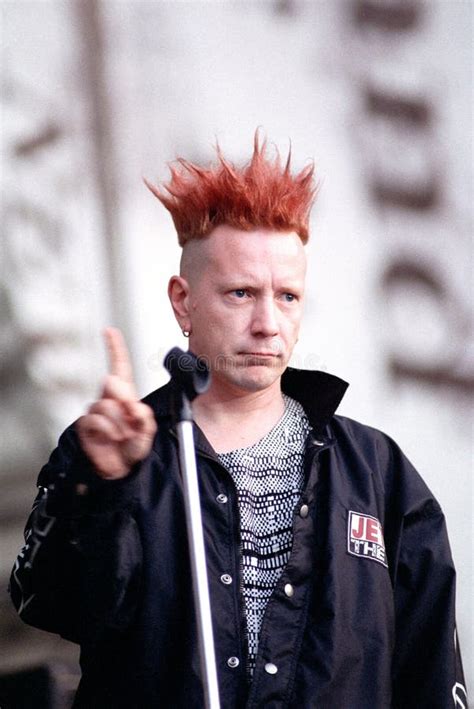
(318, 392)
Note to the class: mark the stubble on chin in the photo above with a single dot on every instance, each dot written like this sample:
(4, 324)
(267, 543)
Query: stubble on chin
(255, 378)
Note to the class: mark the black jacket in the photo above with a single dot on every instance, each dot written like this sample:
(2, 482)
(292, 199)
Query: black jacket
(371, 622)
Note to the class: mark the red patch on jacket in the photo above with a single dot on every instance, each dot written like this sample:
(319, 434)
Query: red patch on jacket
(365, 537)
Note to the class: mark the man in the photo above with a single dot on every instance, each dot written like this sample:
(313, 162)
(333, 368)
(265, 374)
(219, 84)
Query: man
(331, 580)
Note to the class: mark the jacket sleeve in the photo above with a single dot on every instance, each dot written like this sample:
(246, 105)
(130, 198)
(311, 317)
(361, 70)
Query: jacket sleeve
(427, 669)
(78, 572)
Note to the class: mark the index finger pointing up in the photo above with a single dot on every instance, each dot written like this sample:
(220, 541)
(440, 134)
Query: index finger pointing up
(119, 358)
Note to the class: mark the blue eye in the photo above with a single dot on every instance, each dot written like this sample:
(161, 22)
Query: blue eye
(289, 297)
(240, 292)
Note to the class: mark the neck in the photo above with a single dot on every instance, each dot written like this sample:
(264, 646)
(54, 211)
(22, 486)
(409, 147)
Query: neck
(237, 418)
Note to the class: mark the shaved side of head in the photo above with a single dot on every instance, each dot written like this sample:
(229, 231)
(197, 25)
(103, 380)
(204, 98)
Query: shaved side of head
(194, 258)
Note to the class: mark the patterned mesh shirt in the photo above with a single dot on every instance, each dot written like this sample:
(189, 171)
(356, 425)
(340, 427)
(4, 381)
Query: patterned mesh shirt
(269, 480)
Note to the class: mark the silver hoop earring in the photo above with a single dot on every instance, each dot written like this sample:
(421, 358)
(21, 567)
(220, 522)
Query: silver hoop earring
(186, 333)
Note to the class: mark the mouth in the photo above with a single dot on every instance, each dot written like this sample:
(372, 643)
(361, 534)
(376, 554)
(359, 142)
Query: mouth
(258, 358)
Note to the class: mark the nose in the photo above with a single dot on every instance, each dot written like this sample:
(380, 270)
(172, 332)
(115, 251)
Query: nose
(264, 318)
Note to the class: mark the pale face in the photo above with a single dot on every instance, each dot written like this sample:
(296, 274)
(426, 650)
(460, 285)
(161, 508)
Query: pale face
(243, 302)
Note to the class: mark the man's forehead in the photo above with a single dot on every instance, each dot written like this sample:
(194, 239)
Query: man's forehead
(243, 245)
(229, 253)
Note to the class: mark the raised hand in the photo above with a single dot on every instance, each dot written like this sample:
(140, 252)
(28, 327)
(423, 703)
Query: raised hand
(118, 430)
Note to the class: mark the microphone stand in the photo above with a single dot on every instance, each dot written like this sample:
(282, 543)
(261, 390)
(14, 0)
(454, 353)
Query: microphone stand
(190, 378)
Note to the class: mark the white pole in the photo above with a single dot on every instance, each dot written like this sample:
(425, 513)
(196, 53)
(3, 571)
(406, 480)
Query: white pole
(187, 459)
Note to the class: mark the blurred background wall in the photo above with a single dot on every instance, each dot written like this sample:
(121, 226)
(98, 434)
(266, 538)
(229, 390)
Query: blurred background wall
(96, 95)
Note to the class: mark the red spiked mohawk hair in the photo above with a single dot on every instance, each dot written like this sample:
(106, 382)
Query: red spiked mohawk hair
(262, 193)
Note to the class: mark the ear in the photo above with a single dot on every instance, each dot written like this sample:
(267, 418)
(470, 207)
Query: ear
(178, 293)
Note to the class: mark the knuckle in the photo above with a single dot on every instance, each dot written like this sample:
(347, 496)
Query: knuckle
(104, 406)
(93, 408)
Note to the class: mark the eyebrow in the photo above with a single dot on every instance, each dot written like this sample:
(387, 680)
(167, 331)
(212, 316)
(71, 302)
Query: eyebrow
(243, 282)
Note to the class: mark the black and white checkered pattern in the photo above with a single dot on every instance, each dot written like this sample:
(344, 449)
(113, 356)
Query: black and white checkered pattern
(269, 481)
